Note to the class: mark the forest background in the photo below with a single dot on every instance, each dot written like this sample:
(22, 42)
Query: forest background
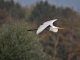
(16, 43)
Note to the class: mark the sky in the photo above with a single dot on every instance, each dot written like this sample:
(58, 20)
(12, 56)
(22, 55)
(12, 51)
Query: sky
(75, 4)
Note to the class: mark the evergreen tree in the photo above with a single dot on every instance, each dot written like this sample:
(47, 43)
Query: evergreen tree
(42, 12)
(14, 9)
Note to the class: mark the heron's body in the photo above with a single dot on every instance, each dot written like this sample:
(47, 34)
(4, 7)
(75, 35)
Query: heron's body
(45, 24)
(54, 29)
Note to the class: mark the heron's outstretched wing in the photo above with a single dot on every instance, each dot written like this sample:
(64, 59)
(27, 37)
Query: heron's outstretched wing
(45, 24)
(41, 28)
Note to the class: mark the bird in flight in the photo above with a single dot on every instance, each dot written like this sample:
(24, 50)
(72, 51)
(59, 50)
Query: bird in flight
(45, 25)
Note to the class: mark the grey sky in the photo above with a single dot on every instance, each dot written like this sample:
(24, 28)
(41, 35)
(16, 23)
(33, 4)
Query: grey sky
(69, 3)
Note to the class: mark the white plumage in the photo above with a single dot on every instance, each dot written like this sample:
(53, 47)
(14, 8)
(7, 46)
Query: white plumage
(45, 24)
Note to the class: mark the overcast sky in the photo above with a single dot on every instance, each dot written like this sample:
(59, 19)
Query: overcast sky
(69, 3)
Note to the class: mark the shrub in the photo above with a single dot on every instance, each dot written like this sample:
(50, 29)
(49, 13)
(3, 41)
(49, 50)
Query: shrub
(16, 43)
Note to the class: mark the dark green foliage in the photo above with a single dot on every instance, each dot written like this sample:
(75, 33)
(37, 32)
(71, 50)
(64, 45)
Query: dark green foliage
(41, 12)
(16, 43)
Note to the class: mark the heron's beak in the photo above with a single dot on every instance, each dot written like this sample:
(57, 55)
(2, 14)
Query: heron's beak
(60, 28)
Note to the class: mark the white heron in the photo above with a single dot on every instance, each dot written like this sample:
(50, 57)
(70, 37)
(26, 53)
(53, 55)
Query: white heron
(46, 24)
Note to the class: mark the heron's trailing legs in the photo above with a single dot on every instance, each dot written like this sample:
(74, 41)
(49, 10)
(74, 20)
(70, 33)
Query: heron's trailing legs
(31, 29)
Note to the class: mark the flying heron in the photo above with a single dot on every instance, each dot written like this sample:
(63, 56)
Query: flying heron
(45, 25)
